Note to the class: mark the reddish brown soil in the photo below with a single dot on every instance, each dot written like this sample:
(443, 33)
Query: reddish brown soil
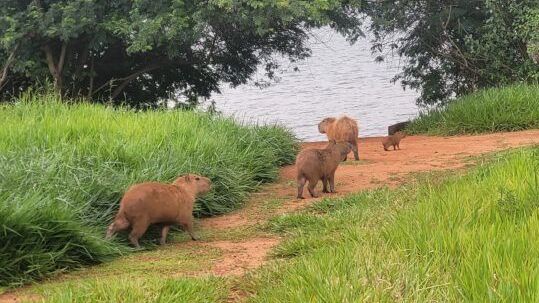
(380, 168)
(376, 168)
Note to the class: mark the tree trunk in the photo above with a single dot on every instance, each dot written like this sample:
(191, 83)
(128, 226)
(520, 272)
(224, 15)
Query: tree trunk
(3, 77)
(56, 69)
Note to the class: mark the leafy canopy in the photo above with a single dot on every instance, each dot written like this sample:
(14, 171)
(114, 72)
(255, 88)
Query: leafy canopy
(451, 48)
(143, 51)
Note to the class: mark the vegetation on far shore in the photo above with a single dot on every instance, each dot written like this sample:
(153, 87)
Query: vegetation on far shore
(64, 167)
(510, 108)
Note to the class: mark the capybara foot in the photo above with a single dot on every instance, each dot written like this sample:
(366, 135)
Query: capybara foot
(195, 238)
(325, 191)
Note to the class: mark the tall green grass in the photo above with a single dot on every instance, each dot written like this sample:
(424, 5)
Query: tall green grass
(471, 238)
(510, 108)
(138, 289)
(63, 169)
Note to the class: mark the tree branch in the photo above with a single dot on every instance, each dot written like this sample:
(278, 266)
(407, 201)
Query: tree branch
(5, 70)
(50, 60)
(132, 77)
(56, 68)
(60, 66)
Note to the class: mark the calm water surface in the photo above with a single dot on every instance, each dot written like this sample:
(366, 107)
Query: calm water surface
(338, 79)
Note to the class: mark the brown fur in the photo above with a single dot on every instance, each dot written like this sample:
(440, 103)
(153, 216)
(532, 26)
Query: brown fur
(393, 140)
(315, 164)
(167, 204)
(344, 129)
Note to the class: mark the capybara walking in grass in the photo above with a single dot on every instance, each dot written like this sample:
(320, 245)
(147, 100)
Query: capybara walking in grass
(167, 204)
(320, 164)
(393, 140)
(344, 129)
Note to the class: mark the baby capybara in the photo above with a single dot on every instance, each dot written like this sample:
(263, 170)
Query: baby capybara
(320, 164)
(344, 129)
(393, 140)
(167, 204)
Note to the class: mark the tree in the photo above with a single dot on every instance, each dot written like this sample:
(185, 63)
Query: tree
(139, 52)
(455, 47)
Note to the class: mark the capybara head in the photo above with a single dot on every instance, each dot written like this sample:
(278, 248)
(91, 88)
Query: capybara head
(200, 184)
(322, 126)
(344, 149)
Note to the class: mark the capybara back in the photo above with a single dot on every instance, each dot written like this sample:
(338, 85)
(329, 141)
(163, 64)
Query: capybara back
(344, 129)
(152, 202)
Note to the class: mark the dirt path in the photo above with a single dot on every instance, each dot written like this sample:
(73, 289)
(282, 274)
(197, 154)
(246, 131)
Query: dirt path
(243, 247)
(376, 168)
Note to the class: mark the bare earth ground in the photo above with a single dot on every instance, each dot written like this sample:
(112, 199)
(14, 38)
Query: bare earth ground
(234, 243)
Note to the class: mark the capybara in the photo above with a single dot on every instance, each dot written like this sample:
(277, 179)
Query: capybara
(392, 129)
(166, 204)
(393, 140)
(344, 129)
(315, 164)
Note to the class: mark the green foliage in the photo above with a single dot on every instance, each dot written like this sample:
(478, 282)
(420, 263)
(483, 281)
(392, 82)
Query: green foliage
(464, 239)
(147, 289)
(457, 47)
(63, 169)
(141, 52)
(492, 110)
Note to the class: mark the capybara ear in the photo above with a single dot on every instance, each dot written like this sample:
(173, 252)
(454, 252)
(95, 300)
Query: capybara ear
(332, 142)
(188, 178)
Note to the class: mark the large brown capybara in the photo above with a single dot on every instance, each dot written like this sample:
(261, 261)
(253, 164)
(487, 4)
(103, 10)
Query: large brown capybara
(393, 140)
(344, 129)
(167, 204)
(320, 164)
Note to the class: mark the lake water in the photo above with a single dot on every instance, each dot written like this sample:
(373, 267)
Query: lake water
(338, 79)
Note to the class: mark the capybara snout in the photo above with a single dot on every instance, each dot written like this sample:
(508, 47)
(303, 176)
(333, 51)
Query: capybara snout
(157, 203)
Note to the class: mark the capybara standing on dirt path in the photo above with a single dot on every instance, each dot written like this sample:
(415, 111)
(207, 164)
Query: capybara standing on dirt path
(344, 129)
(315, 164)
(167, 204)
(393, 140)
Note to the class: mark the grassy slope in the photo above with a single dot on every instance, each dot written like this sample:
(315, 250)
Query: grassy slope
(499, 109)
(463, 238)
(63, 170)
(473, 238)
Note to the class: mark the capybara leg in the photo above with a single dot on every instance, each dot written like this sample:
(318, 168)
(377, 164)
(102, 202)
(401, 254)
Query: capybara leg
(398, 147)
(301, 184)
(311, 187)
(164, 233)
(188, 227)
(394, 147)
(116, 226)
(139, 228)
(332, 183)
(325, 184)
(355, 150)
